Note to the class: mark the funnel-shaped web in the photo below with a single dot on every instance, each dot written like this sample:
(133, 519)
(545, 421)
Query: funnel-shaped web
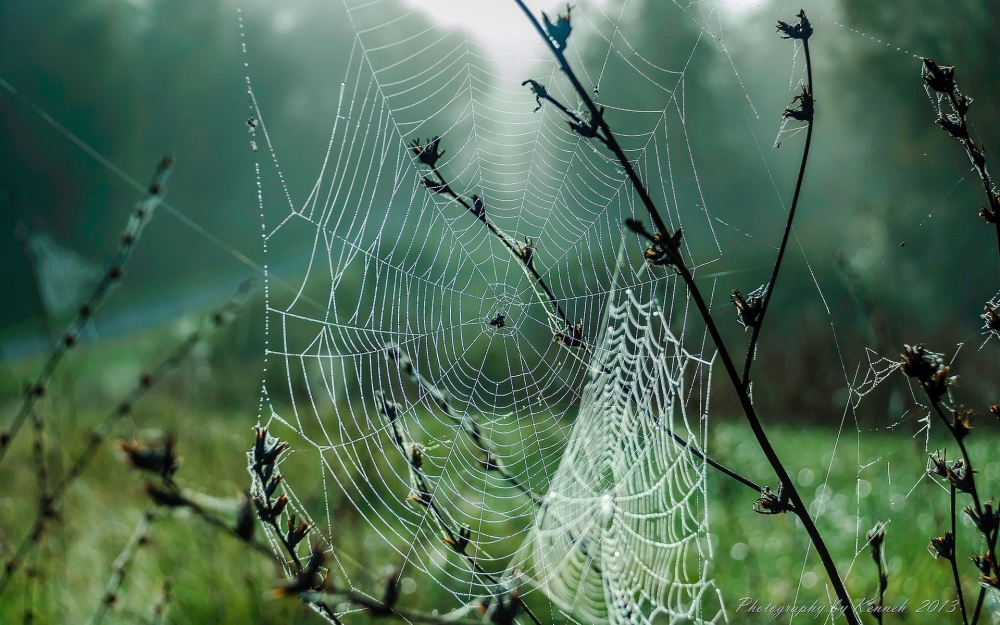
(621, 535)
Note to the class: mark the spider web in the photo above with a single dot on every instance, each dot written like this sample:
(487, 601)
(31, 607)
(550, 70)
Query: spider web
(398, 291)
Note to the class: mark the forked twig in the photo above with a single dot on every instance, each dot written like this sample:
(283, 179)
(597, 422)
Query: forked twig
(141, 216)
(665, 250)
(222, 317)
(935, 378)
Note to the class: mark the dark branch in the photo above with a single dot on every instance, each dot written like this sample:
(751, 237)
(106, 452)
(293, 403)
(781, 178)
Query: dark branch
(141, 216)
(941, 80)
(804, 112)
(564, 331)
(666, 251)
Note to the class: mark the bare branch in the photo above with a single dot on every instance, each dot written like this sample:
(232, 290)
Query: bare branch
(141, 216)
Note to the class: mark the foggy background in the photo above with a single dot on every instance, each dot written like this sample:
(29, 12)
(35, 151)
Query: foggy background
(134, 78)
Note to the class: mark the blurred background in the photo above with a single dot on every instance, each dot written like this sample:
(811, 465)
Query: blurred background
(887, 221)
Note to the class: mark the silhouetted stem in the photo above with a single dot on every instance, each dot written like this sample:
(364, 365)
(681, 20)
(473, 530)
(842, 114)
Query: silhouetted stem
(546, 297)
(799, 507)
(109, 282)
(94, 441)
(769, 289)
(954, 560)
(426, 498)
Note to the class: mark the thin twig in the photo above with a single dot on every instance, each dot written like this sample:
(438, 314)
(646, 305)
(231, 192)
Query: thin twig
(120, 566)
(806, 105)
(109, 283)
(379, 609)
(146, 382)
(568, 333)
(491, 460)
(934, 376)
(954, 560)
(458, 541)
(666, 247)
(941, 79)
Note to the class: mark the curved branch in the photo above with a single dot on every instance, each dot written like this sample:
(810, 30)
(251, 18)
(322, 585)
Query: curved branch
(807, 103)
(675, 259)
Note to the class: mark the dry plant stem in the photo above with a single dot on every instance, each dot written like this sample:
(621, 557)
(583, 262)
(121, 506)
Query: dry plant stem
(965, 453)
(160, 611)
(186, 502)
(146, 382)
(991, 540)
(991, 543)
(380, 609)
(38, 451)
(120, 567)
(769, 290)
(712, 463)
(954, 561)
(442, 186)
(469, 425)
(112, 278)
(453, 539)
(978, 159)
(797, 505)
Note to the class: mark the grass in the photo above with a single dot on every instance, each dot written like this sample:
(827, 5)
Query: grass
(215, 579)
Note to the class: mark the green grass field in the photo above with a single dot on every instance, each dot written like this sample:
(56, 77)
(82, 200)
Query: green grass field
(215, 579)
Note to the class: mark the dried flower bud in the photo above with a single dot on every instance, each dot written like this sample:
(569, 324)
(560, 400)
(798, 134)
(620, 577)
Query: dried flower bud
(983, 563)
(805, 109)
(158, 458)
(938, 464)
(459, 544)
(987, 521)
(572, 336)
(771, 503)
(167, 495)
(296, 533)
(876, 536)
(428, 152)
(416, 457)
(991, 315)
(309, 578)
(266, 455)
(422, 497)
(940, 78)
(942, 546)
(270, 513)
(962, 424)
(954, 126)
(803, 30)
(558, 32)
(960, 477)
(928, 367)
(750, 308)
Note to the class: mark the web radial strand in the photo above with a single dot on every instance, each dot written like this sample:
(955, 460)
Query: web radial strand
(396, 288)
